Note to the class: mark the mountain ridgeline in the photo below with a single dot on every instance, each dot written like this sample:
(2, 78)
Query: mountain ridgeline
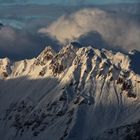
(78, 93)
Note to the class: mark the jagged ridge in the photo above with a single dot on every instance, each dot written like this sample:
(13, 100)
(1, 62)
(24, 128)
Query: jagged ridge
(78, 86)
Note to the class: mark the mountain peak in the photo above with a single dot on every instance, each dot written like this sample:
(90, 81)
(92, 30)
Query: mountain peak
(5, 69)
(65, 88)
(67, 58)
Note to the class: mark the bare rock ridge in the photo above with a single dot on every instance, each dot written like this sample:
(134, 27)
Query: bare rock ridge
(78, 93)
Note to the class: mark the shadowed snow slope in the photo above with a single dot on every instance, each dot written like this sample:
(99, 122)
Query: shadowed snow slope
(79, 93)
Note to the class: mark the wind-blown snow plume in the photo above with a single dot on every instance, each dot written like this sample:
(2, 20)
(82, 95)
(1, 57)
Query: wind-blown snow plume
(114, 30)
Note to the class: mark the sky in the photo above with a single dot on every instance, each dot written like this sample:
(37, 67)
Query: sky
(28, 29)
(67, 2)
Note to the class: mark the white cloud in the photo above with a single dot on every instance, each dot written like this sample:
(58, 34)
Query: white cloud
(113, 29)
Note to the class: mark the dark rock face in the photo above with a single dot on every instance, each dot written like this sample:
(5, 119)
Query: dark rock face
(135, 61)
(127, 132)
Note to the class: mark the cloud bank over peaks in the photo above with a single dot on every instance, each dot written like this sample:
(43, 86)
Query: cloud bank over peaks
(113, 29)
(18, 44)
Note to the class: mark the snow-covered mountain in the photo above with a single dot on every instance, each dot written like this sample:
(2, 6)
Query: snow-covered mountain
(78, 93)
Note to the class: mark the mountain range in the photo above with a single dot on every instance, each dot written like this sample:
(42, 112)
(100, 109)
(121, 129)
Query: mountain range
(78, 93)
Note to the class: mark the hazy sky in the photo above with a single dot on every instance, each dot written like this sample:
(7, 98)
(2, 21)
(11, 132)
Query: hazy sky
(74, 2)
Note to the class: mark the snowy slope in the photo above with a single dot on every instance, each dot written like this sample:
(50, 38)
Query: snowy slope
(78, 93)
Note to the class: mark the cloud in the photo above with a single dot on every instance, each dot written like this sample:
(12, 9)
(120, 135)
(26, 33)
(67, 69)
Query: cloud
(67, 2)
(13, 1)
(19, 44)
(113, 29)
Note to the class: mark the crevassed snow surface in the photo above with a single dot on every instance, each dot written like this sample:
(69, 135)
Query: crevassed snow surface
(75, 94)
